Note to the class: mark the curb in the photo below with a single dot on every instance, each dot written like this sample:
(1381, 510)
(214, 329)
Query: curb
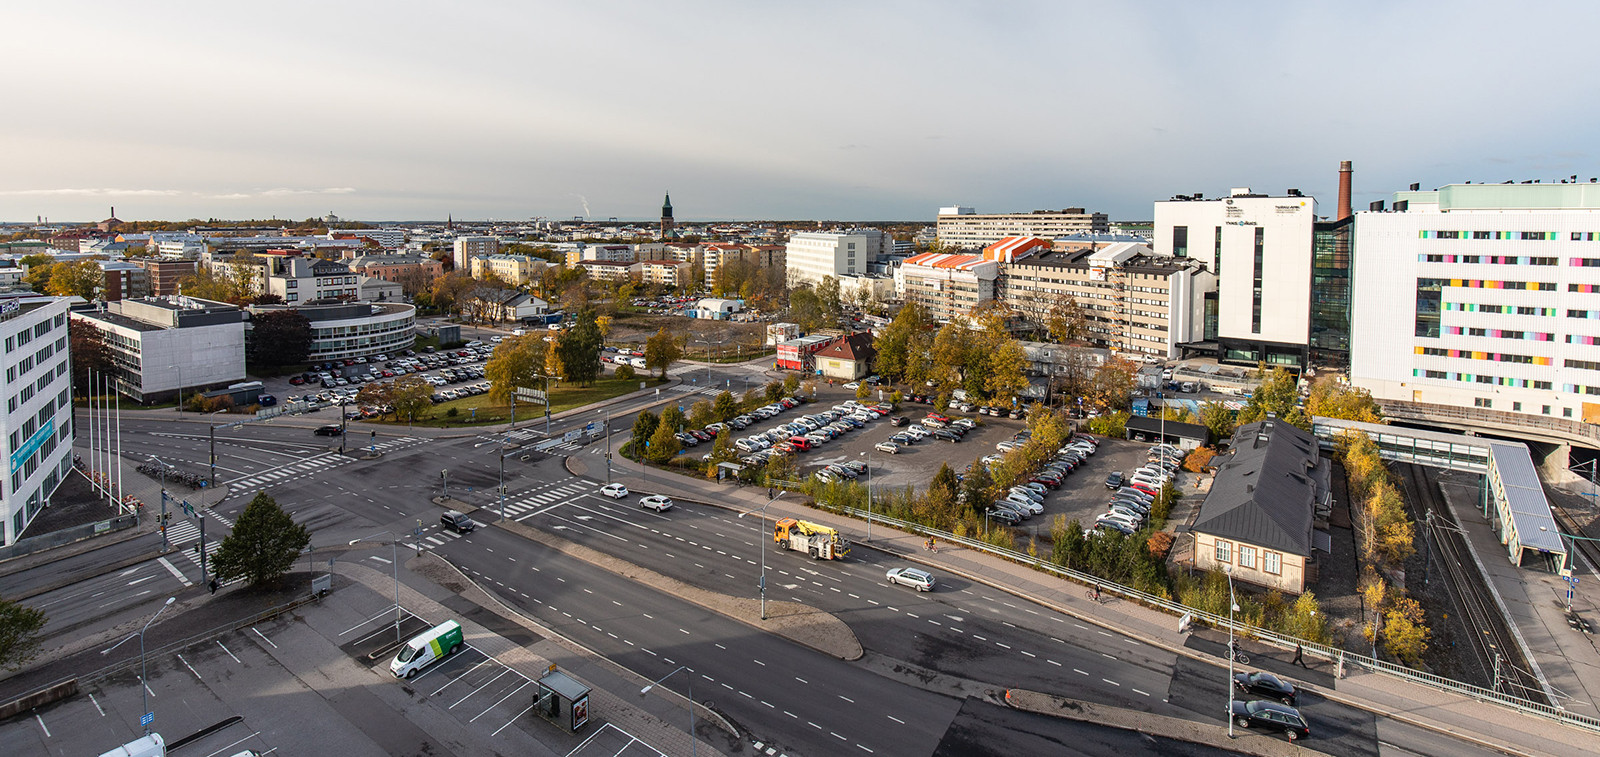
(1262, 745)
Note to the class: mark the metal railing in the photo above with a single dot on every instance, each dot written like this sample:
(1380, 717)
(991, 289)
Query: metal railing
(1340, 656)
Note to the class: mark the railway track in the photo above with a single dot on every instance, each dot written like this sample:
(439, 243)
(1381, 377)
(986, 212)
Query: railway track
(1489, 636)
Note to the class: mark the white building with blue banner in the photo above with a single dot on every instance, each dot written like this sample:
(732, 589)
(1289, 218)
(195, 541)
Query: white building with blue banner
(38, 420)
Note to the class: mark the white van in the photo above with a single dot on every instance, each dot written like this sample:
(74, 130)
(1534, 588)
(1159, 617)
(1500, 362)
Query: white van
(426, 648)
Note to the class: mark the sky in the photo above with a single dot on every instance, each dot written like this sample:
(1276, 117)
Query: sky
(756, 110)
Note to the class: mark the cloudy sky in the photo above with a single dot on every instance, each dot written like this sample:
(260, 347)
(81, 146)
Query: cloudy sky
(853, 110)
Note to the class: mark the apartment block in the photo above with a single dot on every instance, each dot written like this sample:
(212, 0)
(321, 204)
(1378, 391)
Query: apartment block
(811, 256)
(512, 269)
(467, 248)
(949, 286)
(963, 227)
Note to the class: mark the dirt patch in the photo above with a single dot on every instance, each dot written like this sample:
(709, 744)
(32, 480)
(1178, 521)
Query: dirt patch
(634, 329)
(74, 503)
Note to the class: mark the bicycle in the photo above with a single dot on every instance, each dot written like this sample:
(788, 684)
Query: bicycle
(1095, 597)
(1241, 657)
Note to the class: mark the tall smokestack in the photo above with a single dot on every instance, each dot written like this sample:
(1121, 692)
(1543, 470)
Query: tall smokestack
(1344, 190)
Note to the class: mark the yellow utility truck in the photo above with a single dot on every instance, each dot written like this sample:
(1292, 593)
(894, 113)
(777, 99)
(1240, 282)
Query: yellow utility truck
(814, 539)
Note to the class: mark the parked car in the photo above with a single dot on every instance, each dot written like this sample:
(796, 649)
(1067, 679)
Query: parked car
(1266, 686)
(947, 435)
(899, 420)
(614, 491)
(889, 447)
(656, 502)
(915, 578)
(1271, 716)
(1114, 480)
(1005, 515)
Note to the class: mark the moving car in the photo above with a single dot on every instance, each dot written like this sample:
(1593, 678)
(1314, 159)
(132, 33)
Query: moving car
(457, 522)
(915, 578)
(1265, 685)
(1271, 716)
(614, 491)
(657, 502)
(332, 429)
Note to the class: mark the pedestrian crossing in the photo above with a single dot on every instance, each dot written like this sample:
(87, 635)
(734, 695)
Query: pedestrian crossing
(313, 465)
(692, 389)
(182, 530)
(523, 505)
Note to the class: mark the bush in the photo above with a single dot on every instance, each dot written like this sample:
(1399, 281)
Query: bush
(1199, 459)
(625, 372)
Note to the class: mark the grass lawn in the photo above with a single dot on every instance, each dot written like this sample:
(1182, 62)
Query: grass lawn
(481, 411)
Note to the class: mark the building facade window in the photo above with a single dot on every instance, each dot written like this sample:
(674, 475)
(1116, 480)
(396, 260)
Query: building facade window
(1255, 291)
(1180, 241)
(1224, 551)
(1247, 557)
(1272, 562)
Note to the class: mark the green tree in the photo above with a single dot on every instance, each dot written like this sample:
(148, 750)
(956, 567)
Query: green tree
(644, 425)
(774, 391)
(828, 295)
(1331, 398)
(702, 414)
(945, 481)
(1278, 395)
(1217, 419)
(39, 273)
(791, 382)
(807, 309)
(411, 397)
(21, 633)
(579, 349)
(673, 418)
(863, 390)
(515, 363)
(949, 357)
(625, 372)
(726, 407)
(89, 353)
(661, 351)
(663, 444)
(894, 346)
(1112, 385)
(263, 546)
(279, 337)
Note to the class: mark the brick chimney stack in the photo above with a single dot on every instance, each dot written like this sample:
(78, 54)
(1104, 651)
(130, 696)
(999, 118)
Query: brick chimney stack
(1344, 190)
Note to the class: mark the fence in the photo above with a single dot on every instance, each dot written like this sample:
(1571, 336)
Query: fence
(66, 536)
(1343, 657)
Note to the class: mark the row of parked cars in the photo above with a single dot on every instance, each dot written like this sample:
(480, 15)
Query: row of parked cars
(809, 432)
(1135, 493)
(1026, 500)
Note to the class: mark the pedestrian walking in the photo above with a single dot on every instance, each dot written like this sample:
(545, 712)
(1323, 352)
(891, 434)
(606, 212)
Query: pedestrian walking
(213, 586)
(1299, 657)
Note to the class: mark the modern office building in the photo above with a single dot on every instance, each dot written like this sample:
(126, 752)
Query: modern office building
(965, 228)
(811, 256)
(38, 418)
(1260, 249)
(161, 345)
(467, 248)
(1127, 297)
(1477, 306)
(947, 285)
(358, 329)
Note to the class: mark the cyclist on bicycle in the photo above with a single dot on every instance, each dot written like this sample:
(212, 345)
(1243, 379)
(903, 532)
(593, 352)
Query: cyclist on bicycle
(1097, 592)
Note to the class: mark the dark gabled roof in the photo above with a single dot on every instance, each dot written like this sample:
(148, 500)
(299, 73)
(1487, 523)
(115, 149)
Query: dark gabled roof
(1266, 491)
(857, 346)
(1172, 428)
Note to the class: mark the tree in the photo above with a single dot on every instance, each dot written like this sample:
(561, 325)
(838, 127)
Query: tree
(604, 324)
(1112, 385)
(664, 445)
(661, 351)
(949, 357)
(279, 337)
(807, 309)
(702, 414)
(791, 382)
(579, 350)
(451, 290)
(21, 633)
(829, 296)
(672, 417)
(1217, 419)
(81, 278)
(410, 397)
(1066, 320)
(1278, 395)
(1330, 398)
(897, 345)
(263, 546)
(89, 353)
(624, 372)
(515, 363)
(726, 407)
(863, 390)
(945, 480)
(1405, 631)
(643, 426)
(39, 273)
(1008, 368)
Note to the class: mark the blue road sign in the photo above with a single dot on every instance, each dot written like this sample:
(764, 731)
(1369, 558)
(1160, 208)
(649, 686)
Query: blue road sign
(147, 718)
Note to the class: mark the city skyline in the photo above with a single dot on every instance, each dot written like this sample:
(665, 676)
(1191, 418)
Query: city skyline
(832, 111)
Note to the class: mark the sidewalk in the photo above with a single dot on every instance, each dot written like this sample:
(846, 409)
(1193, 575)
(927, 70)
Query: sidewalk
(1490, 725)
(1536, 603)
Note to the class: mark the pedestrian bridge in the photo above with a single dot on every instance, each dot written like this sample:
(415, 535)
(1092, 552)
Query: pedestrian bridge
(1521, 512)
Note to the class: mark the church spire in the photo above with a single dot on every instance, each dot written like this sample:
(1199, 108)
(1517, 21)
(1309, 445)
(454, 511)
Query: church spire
(666, 217)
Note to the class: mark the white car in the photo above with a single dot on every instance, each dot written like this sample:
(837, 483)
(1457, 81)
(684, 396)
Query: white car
(889, 447)
(656, 502)
(614, 491)
(915, 578)
(852, 386)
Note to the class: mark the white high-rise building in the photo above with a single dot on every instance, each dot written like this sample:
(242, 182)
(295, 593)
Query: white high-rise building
(811, 255)
(1478, 306)
(963, 227)
(38, 420)
(1260, 249)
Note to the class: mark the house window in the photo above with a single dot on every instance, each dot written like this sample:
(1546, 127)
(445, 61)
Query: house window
(1247, 557)
(1272, 562)
(1224, 551)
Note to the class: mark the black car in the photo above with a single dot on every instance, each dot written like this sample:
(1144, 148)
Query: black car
(457, 522)
(1114, 481)
(332, 429)
(899, 420)
(1005, 515)
(1271, 716)
(1266, 686)
(946, 434)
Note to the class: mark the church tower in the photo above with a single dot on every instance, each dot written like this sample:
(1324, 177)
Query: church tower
(667, 223)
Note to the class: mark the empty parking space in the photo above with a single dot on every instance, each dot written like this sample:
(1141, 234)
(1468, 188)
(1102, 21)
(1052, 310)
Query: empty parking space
(611, 741)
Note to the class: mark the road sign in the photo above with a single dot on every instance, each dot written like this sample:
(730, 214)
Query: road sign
(571, 435)
(147, 718)
(536, 396)
(592, 426)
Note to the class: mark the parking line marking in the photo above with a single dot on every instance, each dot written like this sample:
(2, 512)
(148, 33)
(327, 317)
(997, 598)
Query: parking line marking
(97, 705)
(497, 704)
(264, 637)
(512, 720)
(42, 725)
(190, 667)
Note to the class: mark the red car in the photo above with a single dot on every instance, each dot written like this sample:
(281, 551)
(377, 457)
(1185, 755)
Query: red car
(939, 418)
(1150, 490)
(1047, 480)
(297, 381)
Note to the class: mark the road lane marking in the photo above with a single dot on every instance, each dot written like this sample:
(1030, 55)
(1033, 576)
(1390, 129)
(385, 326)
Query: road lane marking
(97, 705)
(43, 726)
(181, 577)
(1113, 683)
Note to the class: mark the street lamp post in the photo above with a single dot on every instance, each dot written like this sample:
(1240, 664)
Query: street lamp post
(608, 446)
(213, 426)
(1233, 606)
(868, 455)
(165, 545)
(144, 688)
(394, 552)
(761, 538)
(689, 682)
